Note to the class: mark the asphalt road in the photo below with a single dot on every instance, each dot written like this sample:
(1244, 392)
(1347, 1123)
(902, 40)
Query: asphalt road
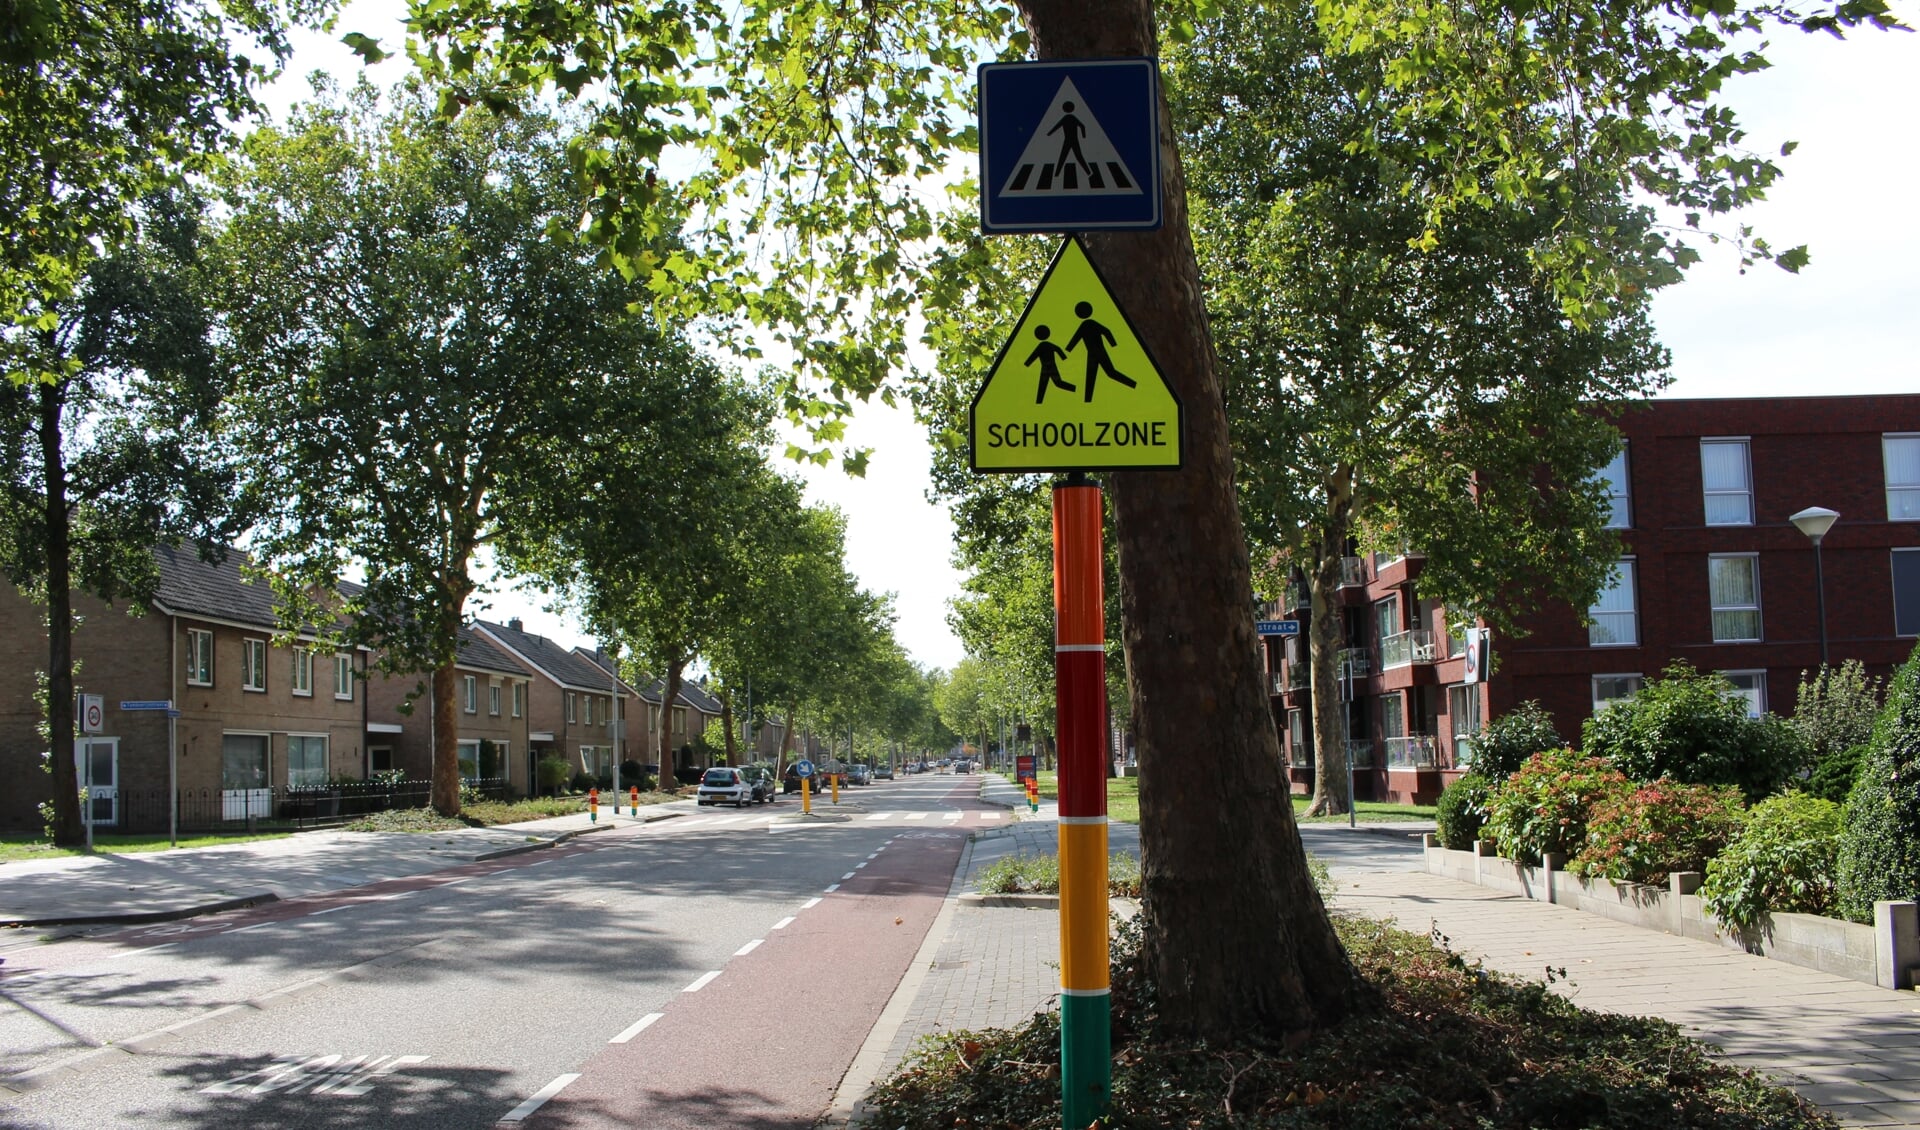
(716, 970)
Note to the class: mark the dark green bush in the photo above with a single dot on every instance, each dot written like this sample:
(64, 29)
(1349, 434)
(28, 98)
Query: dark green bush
(1834, 773)
(1880, 849)
(1784, 860)
(1462, 811)
(580, 782)
(1688, 725)
(1504, 744)
(550, 774)
(1543, 807)
(1645, 833)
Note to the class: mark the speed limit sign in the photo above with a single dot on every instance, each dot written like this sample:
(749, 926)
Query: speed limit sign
(93, 713)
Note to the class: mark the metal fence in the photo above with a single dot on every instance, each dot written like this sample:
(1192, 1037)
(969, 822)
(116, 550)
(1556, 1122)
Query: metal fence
(282, 808)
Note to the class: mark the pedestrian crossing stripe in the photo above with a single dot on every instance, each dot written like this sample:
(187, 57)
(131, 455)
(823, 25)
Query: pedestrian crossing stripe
(1070, 155)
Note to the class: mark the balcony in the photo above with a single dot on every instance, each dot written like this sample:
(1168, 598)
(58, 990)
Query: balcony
(1352, 574)
(1356, 660)
(1272, 610)
(1359, 753)
(1297, 596)
(1402, 648)
(1298, 676)
(1277, 682)
(1415, 751)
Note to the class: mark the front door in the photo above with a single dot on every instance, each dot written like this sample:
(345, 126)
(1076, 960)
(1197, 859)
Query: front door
(97, 761)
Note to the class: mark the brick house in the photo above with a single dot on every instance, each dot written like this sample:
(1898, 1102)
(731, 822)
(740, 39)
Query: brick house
(254, 716)
(569, 699)
(490, 705)
(1712, 572)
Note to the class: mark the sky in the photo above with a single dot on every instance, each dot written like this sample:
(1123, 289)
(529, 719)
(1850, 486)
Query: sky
(1848, 323)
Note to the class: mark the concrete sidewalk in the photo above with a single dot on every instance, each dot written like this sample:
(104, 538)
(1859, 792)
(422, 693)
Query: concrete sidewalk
(156, 886)
(1849, 1048)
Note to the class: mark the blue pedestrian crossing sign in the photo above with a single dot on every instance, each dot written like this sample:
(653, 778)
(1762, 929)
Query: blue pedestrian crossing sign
(1070, 146)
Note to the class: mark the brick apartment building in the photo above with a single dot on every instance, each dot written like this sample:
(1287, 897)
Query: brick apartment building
(1711, 572)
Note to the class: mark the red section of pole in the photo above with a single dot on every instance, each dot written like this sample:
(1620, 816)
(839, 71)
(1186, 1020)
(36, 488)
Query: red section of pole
(1080, 682)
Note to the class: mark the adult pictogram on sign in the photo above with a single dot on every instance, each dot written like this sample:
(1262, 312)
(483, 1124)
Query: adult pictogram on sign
(1125, 416)
(1070, 155)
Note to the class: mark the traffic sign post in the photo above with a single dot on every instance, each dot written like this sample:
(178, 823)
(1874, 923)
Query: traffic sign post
(1070, 145)
(1074, 388)
(804, 769)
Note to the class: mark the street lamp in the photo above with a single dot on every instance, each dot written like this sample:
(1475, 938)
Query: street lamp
(1814, 522)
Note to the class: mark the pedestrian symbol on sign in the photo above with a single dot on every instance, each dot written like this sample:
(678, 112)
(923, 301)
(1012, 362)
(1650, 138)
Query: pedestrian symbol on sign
(1070, 155)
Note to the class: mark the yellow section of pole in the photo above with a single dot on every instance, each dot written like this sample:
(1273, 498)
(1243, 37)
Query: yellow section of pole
(1083, 905)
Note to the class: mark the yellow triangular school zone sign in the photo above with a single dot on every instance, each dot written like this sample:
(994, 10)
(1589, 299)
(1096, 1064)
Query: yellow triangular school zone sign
(1073, 389)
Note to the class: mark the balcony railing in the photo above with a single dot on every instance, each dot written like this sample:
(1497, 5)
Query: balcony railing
(1272, 610)
(1360, 753)
(1297, 596)
(1357, 660)
(1402, 648)
(1415, 751)
(1298, 676)
(1351, 572)
(1276, 682)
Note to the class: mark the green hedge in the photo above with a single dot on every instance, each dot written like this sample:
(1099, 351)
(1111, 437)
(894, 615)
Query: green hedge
(1784, 860)
(1462, 811)
(1880, 848)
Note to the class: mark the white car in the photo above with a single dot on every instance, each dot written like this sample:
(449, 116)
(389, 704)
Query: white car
(723, 785)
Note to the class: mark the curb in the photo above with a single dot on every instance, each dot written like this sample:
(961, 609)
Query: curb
(1030, 901)
(561, 838)
(137, 917)
(849, 1098)
(1377, 830)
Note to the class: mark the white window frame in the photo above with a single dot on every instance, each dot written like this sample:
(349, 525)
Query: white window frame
(493, 698)
(469, 695)
(573, 708)
(1599, 703)
(1619, 491)
(1913, 609)
(1759, 626)
(199, 657)
(343, 676)
(1746, 461)
(1909, 491)
(586, 710)
(1626, 569)
(302, 676)
(253, 665)
(519, 699)
(1757, 700)
(326, 759)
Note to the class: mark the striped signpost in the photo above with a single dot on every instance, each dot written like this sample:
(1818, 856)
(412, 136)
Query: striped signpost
(1080, 677)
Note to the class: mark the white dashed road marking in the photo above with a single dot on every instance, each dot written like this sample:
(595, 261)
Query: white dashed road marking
(539, 1099)
(637, 1027)
(701, 982)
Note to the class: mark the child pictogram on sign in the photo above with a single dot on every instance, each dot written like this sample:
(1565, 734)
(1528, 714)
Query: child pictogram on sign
(1095, 337)
(1047, 355)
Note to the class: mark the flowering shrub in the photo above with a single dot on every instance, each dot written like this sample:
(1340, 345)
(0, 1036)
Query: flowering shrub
(1785, 859)
(1644, 833)
(1543, 807)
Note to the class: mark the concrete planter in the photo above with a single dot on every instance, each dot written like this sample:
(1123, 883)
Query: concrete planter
(1884, 954)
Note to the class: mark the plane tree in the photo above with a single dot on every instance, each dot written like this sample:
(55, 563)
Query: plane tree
(810, 130)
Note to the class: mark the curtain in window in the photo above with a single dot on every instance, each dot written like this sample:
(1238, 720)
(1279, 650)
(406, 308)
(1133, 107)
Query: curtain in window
(1735, 591)
(1613, 616)
(306, 761)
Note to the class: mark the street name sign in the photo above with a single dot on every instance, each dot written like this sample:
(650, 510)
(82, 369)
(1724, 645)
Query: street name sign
(1071, 145)
(147, 704)
(1073, 388)
(1278, 627)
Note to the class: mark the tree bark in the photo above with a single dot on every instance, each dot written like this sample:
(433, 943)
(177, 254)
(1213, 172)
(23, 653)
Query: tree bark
(670, 691)
(1323, 673)
(446, 741)
(68, 830)
(1237, 940)
(726, 720)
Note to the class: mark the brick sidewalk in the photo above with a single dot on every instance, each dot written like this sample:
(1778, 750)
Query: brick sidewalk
(1849, 1048)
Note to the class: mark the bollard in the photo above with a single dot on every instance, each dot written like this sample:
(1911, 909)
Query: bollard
(634, 795)
(806, 796)
(593, 806)
(833, 779)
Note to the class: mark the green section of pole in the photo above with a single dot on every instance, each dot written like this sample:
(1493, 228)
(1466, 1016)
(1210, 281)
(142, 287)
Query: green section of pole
(1086, 1058)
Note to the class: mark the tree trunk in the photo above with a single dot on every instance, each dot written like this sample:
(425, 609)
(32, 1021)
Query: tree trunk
(1237, 940)
(1325, 637)
(786, 738)
(68, 829)
(446, 742)
(670, 691)
(726, 720)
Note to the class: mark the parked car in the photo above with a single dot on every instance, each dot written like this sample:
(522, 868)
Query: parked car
(720, 785)
(883, 772)
(859, 775)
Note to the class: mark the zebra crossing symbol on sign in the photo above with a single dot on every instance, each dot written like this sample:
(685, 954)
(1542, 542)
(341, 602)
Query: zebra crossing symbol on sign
(1070, 154)
(1070, 146)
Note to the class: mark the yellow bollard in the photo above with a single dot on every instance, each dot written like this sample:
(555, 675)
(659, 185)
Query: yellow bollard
(806, 795)
(834, 780)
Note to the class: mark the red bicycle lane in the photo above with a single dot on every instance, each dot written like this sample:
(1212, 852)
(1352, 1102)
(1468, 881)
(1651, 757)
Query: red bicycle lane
(766, 1041)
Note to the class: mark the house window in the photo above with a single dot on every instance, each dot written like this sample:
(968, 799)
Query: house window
(586, 706)
(1906, 592)
(1463, 712)
(519, 699)
(493, 699)
(1619, 493)
(1386, 618)
(467, 755)
(1726, 476)
(1733, 582)
(1300, 738)
(306, 760)
(1609, 689)
(469, 694)
(253, 665)
(572, 708)
(1903, 477)
(199, 658)
(679, 719)
(303, 671)
(343, 677)
(1751, 686)
(1615, 619)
